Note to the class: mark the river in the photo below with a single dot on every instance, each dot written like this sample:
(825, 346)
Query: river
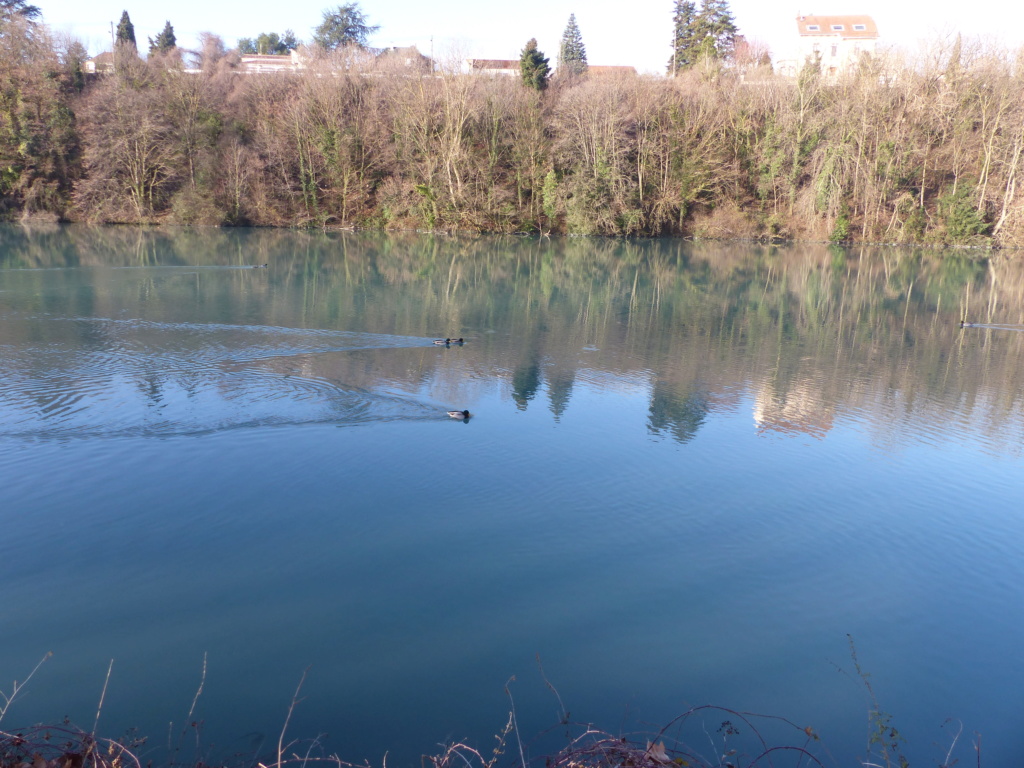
(694, 472)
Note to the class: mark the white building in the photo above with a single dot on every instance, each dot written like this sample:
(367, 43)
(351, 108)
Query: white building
(836, 42)
(263, 63)
(503, 67)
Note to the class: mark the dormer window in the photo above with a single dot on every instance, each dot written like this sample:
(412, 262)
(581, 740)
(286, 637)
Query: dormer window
(813, 28)
(860, 27)
(837, 27)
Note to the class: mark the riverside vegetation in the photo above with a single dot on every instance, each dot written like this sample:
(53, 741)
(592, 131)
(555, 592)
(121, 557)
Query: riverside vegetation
(897, 150)
(738, 738)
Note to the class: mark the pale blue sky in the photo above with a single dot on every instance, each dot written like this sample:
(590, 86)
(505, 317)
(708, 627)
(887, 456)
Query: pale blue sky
(634, 32)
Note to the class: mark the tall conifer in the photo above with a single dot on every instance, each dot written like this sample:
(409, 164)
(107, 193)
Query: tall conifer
(572, 54)
(684, 36)
(165, 42)
(533, 66)
(126, 31)
(715, 29)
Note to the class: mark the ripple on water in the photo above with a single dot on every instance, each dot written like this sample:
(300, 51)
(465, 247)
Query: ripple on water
(165, 379)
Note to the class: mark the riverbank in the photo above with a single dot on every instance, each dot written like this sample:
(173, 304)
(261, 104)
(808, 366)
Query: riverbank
(924, 151)
(702, 737)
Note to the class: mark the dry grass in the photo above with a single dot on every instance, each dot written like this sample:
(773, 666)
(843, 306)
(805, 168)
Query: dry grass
(726, 738)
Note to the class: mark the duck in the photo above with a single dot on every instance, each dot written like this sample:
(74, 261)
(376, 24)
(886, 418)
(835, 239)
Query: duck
(459, 414)
(442, 342)
(458, 341)
(259, 266)
(965, 324)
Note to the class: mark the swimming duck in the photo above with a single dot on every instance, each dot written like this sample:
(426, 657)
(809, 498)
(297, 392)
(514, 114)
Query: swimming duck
(442, 342)
(965, 324)
(259, 266)
(458, 341)
(459, 414)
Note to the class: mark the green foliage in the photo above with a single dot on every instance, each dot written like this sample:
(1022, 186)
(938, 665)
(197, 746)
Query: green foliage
(572, 54)
(533, 66)
(841, 229)
(706, 34)
(428, 207)
(684, 44)
(550, 195)
(914, 226)
(126, 31)
(268, 43)
(715, 29)
(18, 9)
(165, 42)
(343, 26)
(961, 218)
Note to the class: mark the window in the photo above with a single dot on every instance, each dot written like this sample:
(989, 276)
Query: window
(837, 27)
(813, 28)
(860, 27)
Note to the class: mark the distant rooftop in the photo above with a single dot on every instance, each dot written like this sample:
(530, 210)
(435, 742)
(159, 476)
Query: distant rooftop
(491, 64)
(837, 26)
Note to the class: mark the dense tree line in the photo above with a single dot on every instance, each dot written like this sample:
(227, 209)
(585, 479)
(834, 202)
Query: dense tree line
(929, 150)
(709, 32)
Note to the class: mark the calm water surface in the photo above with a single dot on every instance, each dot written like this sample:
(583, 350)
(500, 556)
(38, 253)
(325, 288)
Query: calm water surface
(692, 471)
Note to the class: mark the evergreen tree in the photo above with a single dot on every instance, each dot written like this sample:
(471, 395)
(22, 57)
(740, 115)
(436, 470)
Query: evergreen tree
(715, 29)
(126, 31)
(269, 42)
(684, 37)
(534, 66)
(9, 9)
(345, 25)
(572, 55)
(165, 42)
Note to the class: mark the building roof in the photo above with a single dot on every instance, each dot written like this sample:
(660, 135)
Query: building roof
(485, 64)
(863, 27)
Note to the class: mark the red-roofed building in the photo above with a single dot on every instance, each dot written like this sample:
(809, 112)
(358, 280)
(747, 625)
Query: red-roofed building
(836, 42)
(507, 67)
(103, 63)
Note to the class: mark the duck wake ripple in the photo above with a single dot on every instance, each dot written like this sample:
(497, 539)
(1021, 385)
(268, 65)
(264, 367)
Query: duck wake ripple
(114, 377)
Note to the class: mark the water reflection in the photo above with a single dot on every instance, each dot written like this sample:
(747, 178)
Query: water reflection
(169, 323)
(705, 459)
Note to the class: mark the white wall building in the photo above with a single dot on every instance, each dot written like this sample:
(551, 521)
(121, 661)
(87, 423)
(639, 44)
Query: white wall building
(837, 42)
